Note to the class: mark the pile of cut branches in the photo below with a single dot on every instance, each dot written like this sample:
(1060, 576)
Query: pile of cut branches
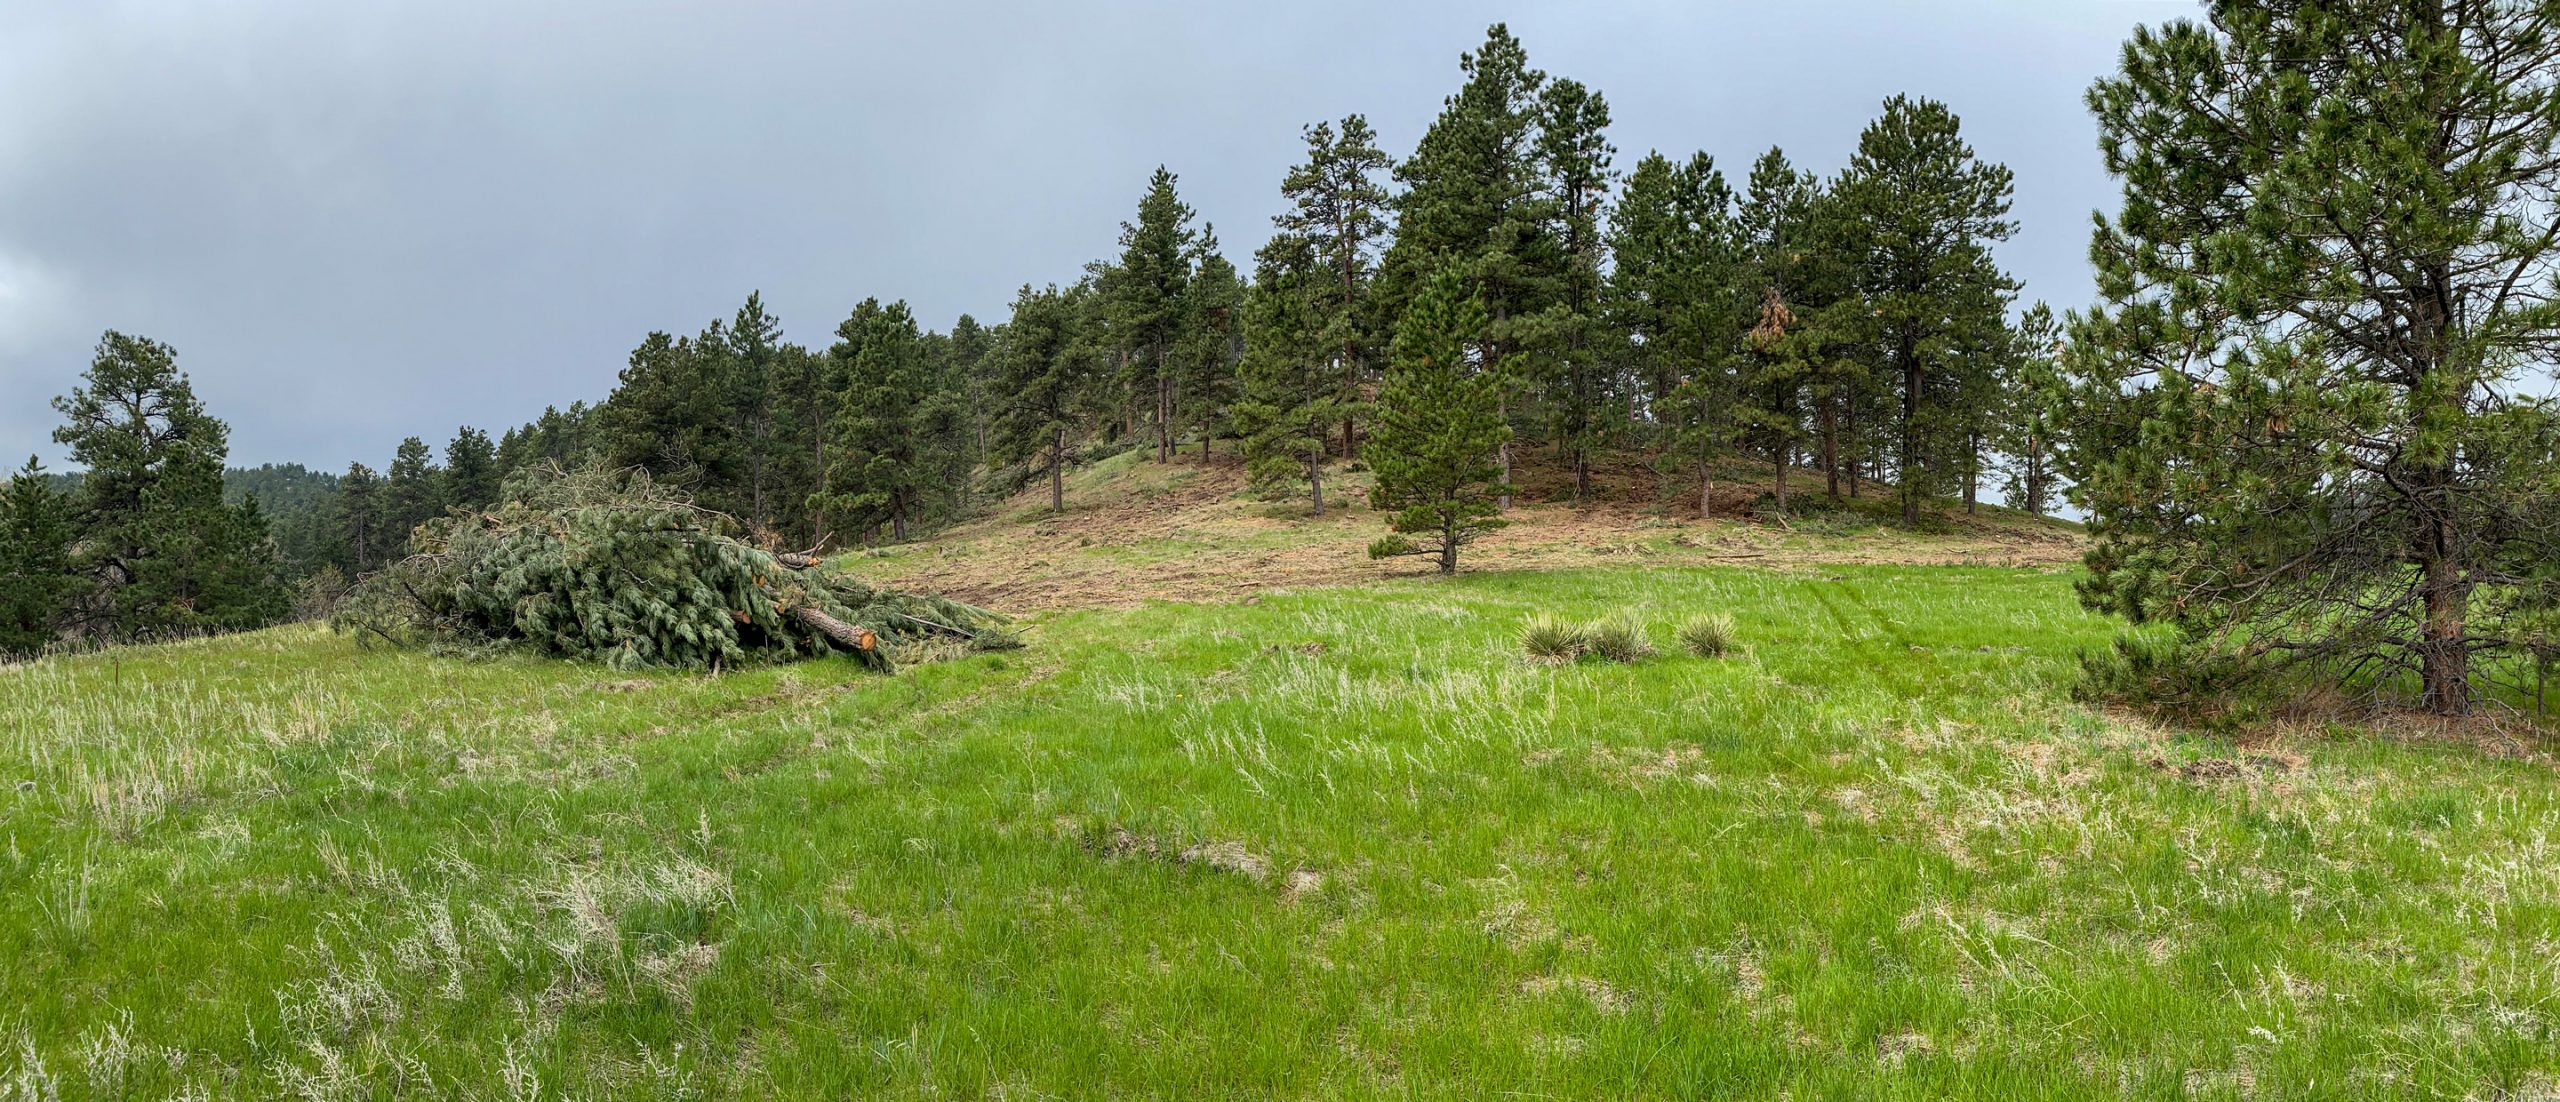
(604, 564)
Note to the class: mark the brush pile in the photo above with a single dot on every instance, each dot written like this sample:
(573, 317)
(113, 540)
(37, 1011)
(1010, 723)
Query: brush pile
(605, 565)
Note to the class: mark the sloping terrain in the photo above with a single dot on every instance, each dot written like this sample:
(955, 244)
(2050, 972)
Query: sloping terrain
(1135, 530)
(1333, 844)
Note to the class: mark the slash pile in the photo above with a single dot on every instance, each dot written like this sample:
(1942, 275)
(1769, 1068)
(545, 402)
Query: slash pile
(606, 565)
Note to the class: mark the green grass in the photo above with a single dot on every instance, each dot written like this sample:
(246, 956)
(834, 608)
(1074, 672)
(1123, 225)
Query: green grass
(1333, 844)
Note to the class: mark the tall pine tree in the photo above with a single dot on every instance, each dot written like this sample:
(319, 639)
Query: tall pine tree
(1440, 424)
(1472, 199)
(162, 553)
(1047, 375)
(1926, 212)
(1292, 393)
(37, 584)
(1148, 298)
(1339, 207)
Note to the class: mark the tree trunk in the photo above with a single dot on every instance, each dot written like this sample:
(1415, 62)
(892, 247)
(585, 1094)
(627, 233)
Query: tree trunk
(2444, 648)
(854, 638)
(1315, 471)
(1831, 451)
(1058, 472)
(1503, 453)
(1706, 482)
(1581, 474)
(1448, 543)
(1973, 475)
(1785, 457)
(1849, 428)
(1910, 440)
(1164, 413)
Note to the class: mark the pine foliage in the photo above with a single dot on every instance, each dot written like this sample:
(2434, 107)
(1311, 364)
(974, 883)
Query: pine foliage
(605, 564)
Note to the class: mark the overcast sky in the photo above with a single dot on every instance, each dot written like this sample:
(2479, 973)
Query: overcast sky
(358, 221)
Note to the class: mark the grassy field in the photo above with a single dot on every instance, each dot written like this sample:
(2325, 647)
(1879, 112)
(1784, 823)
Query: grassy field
(1332, 843)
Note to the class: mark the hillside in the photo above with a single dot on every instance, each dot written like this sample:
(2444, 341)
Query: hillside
(1340, 843)
(1135, 530)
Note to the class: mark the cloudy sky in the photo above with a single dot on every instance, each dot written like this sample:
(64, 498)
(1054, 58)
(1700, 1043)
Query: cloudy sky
(362, 221)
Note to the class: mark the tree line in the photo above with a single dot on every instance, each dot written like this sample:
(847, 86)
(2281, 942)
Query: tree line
(1502, 287)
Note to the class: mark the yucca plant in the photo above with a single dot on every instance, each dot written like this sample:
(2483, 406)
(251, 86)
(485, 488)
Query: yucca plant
(1553, 641)
(1707, 635)
(1620, 637)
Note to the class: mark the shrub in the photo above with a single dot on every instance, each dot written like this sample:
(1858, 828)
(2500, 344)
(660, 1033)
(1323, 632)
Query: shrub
(1550, 640)
(1708, 635)
(1620, 637)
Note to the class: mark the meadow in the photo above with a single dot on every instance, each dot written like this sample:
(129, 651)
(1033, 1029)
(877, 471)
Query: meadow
(1326, 843)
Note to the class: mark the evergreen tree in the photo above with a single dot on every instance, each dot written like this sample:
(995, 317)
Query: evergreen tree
(1574, 155)
(1440, 423)
(879, 473)
(1338, 206)
(361, 518)
(1792, 356)
(748, 368)
(973, 376)
(470, 470)
(664, 416)
(2307, 421)
(37, 583)
(1672, 300)
(162, 552)
(1148, 292)
(1292, 395)
(1472, 198)
(2028, 415)
(1925, 213)
(1047, 375)
(1212, 342)
(947, 425)
(410, 495)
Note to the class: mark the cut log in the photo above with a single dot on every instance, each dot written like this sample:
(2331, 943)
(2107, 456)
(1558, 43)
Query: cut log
(797, 560)
(858, 638)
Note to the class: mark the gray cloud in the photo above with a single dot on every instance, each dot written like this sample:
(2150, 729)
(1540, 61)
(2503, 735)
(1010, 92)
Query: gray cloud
(359, 222)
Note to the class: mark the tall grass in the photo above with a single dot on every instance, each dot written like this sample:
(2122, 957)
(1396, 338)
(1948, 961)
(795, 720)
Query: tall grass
(1335, 844)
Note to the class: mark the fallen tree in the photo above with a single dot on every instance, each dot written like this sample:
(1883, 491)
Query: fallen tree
(604, 564)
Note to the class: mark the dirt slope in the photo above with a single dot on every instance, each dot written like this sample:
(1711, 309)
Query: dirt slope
(1135, 530)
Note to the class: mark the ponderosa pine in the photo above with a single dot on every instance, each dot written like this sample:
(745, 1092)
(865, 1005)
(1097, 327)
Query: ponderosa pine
(1440, 424)
(2309, 417)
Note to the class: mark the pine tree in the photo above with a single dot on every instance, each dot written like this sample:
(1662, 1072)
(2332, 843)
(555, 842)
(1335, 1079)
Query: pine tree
(37, 583)
(470, 470)
(2028, 415)
(973, 372)
(1047, 376)
(1925, 213)
(663, 416)
(1147, 298)
(1292, 394)
(749, 370)
(360, 518)
(1793, 356)
(1211, 342)
(2307, 421)
(163, 554)
(410, 496)
(947, 425)
(1440, 424)
(1674, 300)
(1574, 157)
(1338, 206)
(878, 474)
(1472, 198)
